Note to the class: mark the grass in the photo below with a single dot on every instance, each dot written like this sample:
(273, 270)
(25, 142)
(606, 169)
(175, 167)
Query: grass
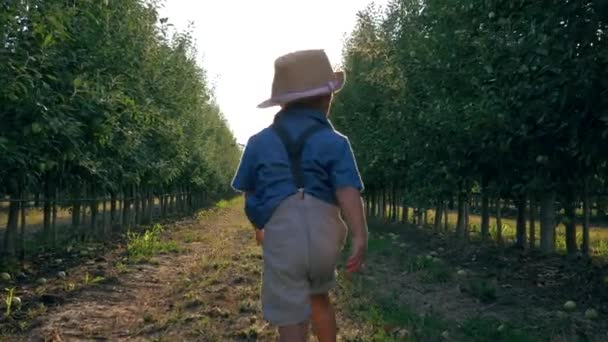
(143, 246)
(375, 302)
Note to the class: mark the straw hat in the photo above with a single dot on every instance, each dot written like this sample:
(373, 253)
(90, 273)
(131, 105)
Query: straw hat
(303, 74)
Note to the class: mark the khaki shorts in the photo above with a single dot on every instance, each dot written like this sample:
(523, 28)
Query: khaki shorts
(302, 243)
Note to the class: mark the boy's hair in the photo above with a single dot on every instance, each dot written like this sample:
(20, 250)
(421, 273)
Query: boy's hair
(318, 102)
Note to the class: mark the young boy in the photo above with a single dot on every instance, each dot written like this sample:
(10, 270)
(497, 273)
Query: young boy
(300, 178)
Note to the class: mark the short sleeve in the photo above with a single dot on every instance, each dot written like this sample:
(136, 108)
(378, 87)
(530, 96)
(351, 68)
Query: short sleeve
(344, 171)
(245, 174)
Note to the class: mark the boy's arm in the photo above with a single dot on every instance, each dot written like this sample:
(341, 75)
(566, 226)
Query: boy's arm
(259, 233)
(351, 204)
(348, 186)
(244, 180)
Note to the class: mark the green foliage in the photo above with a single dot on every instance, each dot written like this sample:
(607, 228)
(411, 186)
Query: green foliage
(143, 246)
(102, 98)
(508, 98)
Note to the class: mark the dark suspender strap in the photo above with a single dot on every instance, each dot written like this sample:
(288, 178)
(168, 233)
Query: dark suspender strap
(294, 149)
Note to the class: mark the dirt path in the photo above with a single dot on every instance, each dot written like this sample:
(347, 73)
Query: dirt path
(208, 290)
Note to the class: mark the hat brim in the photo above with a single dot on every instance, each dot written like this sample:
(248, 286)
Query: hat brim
(331, 87)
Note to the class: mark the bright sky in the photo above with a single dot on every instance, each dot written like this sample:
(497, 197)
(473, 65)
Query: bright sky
(239, 40)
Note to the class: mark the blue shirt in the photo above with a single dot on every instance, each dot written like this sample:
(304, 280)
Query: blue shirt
(327, 163)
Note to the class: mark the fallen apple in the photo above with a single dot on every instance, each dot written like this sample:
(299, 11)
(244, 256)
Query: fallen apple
(569, 305)
(591, 314)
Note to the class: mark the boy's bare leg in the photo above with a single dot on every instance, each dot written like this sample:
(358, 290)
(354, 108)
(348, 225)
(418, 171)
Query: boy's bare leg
(295, 333)
(323, 318)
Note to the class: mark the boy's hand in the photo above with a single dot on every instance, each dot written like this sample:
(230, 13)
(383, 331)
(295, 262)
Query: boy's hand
(357, 257)
(259, 236)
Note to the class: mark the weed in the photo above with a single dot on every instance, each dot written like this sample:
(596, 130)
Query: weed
(10, 295)
(121, 267)
(69, 286)
(141, 247)
(87, 280)
(148, 318)
(39, 310)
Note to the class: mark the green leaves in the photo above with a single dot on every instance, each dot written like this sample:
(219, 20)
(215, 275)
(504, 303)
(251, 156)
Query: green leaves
(94, 92)
(497, 91)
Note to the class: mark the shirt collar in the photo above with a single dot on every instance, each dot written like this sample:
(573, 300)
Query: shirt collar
(306, 112)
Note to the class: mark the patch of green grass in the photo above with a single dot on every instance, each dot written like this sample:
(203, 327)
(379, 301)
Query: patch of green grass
(431, 269)
(141, 247)
(483, 289)
(204, 328)
(36, 311)
(488, 329)
(377, 245)
(192, 236)
(223, 204)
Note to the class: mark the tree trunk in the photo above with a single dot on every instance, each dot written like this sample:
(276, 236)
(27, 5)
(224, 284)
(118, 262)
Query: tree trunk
(54, 220)
(104, 222)
(46, 211)
(446, 217)
(383, 205)
(94, 216)
(113, 218)
(520, 230)
(533, 213)
(174, 204)
(467, 209)
(425, 217)
(586, 214)
(151, 206)
(76, 210)
(499, 221)
(83, 210)
(165, 205)
(394, 204)
(460, 228)
(126, 203)
(570, 224)
(10, 234)
(389, 203)
(404, 209)
(22, 233)
(137, 205)
(547, 222)
(438, 214)
(485, 216)
(189, 206)
(161, 200)
(369, 197)
(144, 207)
